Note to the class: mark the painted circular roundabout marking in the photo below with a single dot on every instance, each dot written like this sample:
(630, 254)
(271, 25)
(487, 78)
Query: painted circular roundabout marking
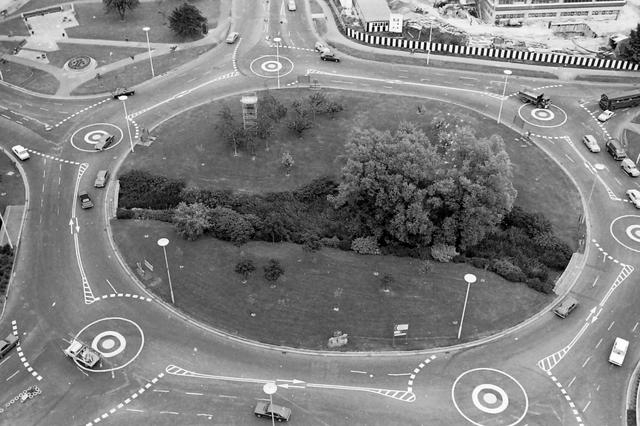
(270, 66)
(549, 118)
(626, 231)
(489, 396)
(118, 340)
(85, 138)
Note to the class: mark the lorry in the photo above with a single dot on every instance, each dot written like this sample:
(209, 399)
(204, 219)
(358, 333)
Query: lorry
(529, 96)
(8, 343)
(82, 353)
(619, 351)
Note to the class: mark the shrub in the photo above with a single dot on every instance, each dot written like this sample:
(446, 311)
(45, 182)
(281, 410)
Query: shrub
(536, 284)
(532, 223)
(318, 188)
(191, 220)
(508, 270)
(148, 214)
(311, 242)
(124, 213)
(479, 262)
(365, 245)
(332, 242)
(145, 190)
(210, 198)
(244, 268)
(460, 258)
(229, 225)
(273, 270)
(553, 252)
(443, 253)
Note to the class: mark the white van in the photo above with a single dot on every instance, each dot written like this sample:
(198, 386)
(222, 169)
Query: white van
(291, 5)
(619, 351)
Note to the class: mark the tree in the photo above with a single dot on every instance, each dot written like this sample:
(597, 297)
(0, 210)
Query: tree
(191, 220)
(271, 107)
(633, 46)
(231, 131)
(277, 226)
(311, 242)
(287, 161)
(187, 21)
(317, 103)
(405, 189)
(227, 224)
(120, 6)
(333, 107)
(244, 268)
(301, 120)
(272, 271)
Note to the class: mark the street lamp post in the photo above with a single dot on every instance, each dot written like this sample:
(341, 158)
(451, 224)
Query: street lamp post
(123, 98)
(507, 73)
(429, 46)
(270, 388)
(146, 31)
(277, 41)
(598, 167)
(470, 279)
(162, 242)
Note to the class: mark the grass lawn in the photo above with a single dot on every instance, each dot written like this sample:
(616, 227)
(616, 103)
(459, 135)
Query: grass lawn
(102, 54)
(29, 78)
(154, 15)
(14, 27)
(138, 72)
(11, 186)
(300, 310)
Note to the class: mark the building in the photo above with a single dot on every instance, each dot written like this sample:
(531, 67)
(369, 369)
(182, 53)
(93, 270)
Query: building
(374, 14)
(520, 11)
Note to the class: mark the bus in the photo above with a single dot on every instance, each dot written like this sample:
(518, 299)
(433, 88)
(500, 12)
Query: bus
(620, 101)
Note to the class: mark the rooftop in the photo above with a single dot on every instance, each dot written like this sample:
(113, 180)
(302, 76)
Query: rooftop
(374, 10)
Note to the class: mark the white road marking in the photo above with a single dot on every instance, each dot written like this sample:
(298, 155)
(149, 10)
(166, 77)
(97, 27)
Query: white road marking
(469, 78)
(571, 382)
(194, 393)
(586, 406)
(5, 360)
(595, 281)
(599, 341)
(398, 374)
(204, 414)
(586, 361)
(358, 372)
(133, 409)
(12, 376)
(611, 325)
(168, 412)
(160, 390)
(114, 290)
(227, 396)
(635, 327)
(570, 159)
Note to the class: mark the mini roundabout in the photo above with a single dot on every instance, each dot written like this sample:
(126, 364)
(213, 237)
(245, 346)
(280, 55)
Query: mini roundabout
(86, 138)
(271, 66)
(548, 118)
(626, 231)
(118, 340)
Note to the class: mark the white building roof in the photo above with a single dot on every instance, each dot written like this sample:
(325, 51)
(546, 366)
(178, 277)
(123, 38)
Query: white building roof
(374, 10)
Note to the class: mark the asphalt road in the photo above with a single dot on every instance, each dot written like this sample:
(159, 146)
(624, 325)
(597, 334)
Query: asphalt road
(68, 280)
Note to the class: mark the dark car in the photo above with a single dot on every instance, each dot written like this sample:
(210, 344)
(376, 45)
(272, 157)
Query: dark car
(85, 200)
(329, 57)
(123, 91)
(267, 410)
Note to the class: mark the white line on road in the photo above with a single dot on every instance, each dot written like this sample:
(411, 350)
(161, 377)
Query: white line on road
(204, 414)
(616, 179)
(570, 159)
(358, 371)
(634, 327)
(403, 76)
(398, 374)
(114, 290)
(168, 412)
(340, 81)
(387, 87)
(571, 382)
(160, 390)
(194, 393)
(611, 325)
(227, 396)
(599, 341)
(12, 376)
(595, 281)
(133, 409)
(6, 359)
(425, 79)
(585, 362)
(469, 78)
(586, 406)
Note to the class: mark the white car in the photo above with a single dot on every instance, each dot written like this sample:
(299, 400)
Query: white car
(606, 115)
(619, 351)
(634, 197)
(232, 37)
(629, 167)
(591, 143)
(21, 152)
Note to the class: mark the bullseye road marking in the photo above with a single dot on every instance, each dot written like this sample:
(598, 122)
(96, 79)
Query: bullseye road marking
(23, 359)
(133, 396)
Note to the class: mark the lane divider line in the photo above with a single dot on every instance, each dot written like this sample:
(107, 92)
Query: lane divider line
(23, 359)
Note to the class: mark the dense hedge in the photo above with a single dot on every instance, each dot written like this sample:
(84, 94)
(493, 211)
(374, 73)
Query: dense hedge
(522, 249)
(6, 263)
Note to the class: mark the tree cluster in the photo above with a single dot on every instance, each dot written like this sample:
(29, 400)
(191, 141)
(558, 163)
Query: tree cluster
(187, 21)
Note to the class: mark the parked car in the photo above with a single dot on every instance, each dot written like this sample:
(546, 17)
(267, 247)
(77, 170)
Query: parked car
(329, 57)
(232, 37)
(101, 178)
(591, 143)
(634, 197)
(630, 167)
(606, 114)
(265, 409)
(122, 91)
(20, 152)
(85, 200)
(565, 308)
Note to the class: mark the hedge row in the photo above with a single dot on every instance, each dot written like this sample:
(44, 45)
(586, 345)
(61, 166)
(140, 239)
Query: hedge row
(6, 263)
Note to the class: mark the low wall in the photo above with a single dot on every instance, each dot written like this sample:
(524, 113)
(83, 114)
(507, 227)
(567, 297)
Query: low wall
(491, 53)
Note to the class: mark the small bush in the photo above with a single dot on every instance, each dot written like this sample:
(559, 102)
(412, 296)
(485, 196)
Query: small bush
(147, 214)
(365, 245)
(443, 253)
(124, 213)
(332, 242)
(145, 190)
(460, 258)
(317, 189)
(508, 270)
(344, 245)
(229, 225)
(541, 286)
(311, 242)
(479, 262)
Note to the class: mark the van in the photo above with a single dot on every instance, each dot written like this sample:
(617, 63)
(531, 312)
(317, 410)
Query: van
(565, 308)
(291, 5)
(614, 147)
(105, 141)
(619, 351)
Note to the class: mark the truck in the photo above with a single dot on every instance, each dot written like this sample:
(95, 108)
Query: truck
(529, 96)
(619, 351)
(85, 200)
(8, 343)
(82, 353)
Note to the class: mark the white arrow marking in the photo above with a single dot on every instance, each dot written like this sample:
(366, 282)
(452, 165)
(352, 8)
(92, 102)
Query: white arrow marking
(295, 381)
(287, 386)
(71, 226)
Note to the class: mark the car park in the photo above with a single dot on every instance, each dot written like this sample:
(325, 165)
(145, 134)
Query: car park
(101, 178)
(232, 37)
(329, 57)
(122, 91)
(104, 142)
(591, 143)
(265, 409)
(85, 200)
(605, 115)
(614, 147)
(634, 197)
(629, 167)
(565, 307)
(20, 152)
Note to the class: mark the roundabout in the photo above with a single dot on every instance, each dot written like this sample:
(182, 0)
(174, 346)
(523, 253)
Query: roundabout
(626, 231)
(271, 66)
(85, 138)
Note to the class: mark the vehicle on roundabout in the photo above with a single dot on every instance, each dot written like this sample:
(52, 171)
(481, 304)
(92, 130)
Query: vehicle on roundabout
(329, 57)
(634, 197)
(122, 91)
(615, 148)
(538, 100)
(20, 152)
(606, 115)
(82, 353)
(266, 409)
(565, 307)
(629, 167)
(591, 143)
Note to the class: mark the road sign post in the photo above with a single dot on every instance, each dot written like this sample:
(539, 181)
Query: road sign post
(398, 331)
